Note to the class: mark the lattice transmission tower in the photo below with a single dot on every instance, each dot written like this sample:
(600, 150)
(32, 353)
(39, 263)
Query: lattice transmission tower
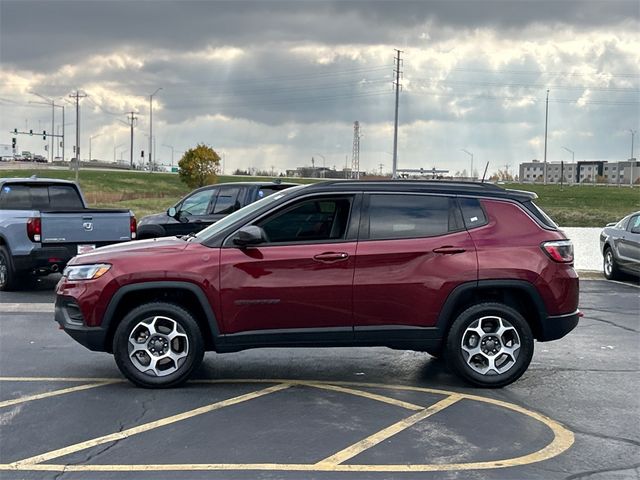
(355, 155)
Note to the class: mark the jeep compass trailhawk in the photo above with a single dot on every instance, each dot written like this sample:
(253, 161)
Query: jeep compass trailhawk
(468, 271)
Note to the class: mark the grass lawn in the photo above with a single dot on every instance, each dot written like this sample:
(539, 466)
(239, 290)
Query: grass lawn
(146, 193)
(584, 205)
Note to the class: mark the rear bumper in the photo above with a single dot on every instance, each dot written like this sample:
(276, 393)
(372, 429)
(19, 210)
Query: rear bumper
(557, 326)
(45, 258)
(69, 317)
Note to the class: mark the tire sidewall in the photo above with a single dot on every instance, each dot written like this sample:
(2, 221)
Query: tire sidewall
(131, 320)
(455, 357)
(10, 280)
(614, 268)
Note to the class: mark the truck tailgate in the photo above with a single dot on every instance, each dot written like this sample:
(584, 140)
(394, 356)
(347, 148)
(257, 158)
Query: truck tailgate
(85, 226)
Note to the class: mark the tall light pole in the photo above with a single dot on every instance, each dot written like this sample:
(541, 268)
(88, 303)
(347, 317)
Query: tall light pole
(633, 134)
(471, 155)
(546, 123)
(573, 161)
(397, 71)
(151, 128)
(324, 161)
(114, 151)
(172, 149)
(90, 139)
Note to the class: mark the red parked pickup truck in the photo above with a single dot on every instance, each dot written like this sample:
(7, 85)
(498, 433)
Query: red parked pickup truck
(469, 271)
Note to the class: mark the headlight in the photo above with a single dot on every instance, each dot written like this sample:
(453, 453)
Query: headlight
(86, 272)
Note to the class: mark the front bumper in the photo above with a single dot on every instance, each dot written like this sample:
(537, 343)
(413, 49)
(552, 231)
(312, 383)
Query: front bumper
(69, 317)
(557, 326)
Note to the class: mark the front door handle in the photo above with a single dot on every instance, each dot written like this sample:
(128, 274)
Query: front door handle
(329, 257)
(449, 250)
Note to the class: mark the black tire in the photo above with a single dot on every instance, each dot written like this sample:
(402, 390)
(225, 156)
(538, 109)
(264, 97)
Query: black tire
(184, 321)
(610, 266)
(434, 352)
(457, 358)
(9, 279)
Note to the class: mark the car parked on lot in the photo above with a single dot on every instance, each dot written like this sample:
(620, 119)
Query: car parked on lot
(469, 271)
(45, 222)
(205, 206)
(620, 247)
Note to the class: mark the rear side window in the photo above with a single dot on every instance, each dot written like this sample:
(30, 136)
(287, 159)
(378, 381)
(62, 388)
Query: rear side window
(227, 201)
(39, 197)
(15, 197)
(472, 212)
(412, 216)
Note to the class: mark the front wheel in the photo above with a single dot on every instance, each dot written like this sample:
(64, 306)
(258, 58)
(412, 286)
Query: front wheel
(158, 345)
(490, 345)
(610, 267)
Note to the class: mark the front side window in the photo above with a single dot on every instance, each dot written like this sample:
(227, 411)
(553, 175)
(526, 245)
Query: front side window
(198, 203)
(411, 216)
(317, 220)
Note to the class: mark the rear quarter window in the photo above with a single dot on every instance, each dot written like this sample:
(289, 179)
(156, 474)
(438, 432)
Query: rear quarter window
(472, 213)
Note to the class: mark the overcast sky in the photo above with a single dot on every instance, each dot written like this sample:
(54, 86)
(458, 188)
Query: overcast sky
(275, 83)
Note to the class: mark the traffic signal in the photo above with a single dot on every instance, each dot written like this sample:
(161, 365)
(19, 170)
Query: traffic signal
(13, 142)
(142, 153)
(44, 134)
(15, 131)
(30, 132)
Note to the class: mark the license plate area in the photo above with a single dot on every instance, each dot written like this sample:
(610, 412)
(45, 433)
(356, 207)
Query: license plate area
(85, 248)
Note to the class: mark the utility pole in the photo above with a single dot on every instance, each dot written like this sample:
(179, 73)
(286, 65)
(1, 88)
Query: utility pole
(131, 122)
(355, 154)
(633, 134)
(151, 162)
(398, 63)
(546, 122)
(78, 95)
(381, 165)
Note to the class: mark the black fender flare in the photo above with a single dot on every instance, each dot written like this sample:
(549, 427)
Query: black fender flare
(446, 312)
(210, 319)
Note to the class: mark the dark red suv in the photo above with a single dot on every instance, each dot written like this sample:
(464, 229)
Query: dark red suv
(469, 271)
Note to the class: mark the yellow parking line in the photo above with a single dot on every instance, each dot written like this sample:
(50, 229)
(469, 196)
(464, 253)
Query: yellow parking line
(146, 427)
(53, 393)
(60, 379)
(372, 396)
(388, 432)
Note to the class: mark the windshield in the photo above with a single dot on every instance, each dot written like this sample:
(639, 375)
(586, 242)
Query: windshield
(243, 212)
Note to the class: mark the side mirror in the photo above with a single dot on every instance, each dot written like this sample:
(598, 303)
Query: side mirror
(249, 235)
(172, 212)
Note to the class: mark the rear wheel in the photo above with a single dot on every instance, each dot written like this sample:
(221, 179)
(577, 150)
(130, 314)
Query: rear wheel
(158, 345)
(610, 267)
(490, 345)
(8, 278)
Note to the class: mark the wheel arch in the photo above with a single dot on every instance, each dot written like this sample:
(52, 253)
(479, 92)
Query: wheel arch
(518, 294)
(187, 295)
(151, 231)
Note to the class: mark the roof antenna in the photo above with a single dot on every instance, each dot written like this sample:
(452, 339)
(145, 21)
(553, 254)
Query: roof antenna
(485, 172)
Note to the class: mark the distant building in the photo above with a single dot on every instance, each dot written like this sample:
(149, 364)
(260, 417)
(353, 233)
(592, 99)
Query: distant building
(320, 172)
(586, 171)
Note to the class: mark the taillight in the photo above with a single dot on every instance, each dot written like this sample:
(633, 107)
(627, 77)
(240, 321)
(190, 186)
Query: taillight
(560, 250)
(34, 229)
(133, 226)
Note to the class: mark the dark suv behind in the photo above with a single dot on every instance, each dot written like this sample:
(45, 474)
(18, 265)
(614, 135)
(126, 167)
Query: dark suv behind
(469, 271)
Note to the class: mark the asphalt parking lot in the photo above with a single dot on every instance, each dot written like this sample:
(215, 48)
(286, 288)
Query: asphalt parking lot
(66, 412)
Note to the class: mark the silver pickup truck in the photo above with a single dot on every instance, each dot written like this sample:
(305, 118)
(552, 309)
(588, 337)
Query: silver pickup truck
(45, 222)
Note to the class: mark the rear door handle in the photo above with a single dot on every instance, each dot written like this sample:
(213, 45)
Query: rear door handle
(449, 250)
(329, 257)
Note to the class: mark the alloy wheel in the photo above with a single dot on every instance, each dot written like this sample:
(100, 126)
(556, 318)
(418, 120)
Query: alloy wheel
(490, 345)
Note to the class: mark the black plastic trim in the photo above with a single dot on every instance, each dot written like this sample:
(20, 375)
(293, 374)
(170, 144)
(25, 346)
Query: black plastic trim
(557, 326)
(138, 287)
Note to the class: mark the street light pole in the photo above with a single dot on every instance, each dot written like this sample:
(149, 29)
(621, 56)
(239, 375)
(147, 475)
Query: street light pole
(573, 158)
(633, 134)
(151, 128)
(90, 139)
(471, 155)
(171, 147)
